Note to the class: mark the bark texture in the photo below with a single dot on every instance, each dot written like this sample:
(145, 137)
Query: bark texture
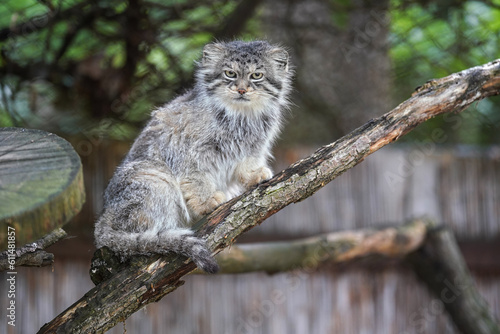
(146, 280)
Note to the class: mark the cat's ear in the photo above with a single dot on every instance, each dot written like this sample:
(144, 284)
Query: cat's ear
(212, 53)
(280, 57)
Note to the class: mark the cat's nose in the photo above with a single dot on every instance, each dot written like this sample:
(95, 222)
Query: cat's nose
(242, 91)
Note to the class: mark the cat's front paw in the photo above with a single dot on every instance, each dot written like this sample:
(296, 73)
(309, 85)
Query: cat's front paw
(217, 199)
(256, 176)
(202, 208)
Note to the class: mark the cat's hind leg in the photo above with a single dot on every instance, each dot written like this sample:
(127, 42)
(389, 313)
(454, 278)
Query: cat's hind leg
(145, 213)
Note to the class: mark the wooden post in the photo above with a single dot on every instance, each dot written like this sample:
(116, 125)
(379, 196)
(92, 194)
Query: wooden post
(41, 185)
(440, 265)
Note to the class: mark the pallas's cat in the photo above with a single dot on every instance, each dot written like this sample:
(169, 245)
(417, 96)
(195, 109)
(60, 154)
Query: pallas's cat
(198, 151)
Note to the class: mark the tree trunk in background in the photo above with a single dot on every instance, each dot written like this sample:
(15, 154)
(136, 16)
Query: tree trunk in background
(342, 65)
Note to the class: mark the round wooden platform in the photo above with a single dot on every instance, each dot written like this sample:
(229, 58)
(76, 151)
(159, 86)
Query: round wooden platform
(41, 184)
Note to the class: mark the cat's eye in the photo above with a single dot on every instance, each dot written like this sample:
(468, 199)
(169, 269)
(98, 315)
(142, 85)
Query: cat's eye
(256, 76)
(230, 74)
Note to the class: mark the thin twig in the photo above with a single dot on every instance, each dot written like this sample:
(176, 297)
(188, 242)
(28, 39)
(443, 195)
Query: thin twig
(33, 254)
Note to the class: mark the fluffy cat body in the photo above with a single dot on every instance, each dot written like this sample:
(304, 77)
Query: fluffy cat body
(196, 152)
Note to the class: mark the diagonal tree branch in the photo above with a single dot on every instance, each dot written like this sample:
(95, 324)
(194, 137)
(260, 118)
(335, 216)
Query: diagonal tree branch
(148, 279)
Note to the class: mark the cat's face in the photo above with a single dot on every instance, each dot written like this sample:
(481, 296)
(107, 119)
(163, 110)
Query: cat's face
(245, 77)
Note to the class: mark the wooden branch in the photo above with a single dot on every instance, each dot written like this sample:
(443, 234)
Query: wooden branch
(148, 279)
(314, 252)
(33, 254)
(440, 265)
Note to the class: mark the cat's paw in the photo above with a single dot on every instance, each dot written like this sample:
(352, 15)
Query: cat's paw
(217, 199)
(256, 176)
(202, 208)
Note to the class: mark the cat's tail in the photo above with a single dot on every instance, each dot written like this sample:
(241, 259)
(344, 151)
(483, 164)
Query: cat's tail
(181, 241)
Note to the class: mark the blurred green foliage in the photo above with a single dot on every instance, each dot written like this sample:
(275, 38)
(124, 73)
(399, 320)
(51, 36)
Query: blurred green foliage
(439, 38)
(100, 67)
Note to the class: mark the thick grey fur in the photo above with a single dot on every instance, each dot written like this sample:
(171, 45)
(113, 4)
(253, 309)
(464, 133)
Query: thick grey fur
(198, 151)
